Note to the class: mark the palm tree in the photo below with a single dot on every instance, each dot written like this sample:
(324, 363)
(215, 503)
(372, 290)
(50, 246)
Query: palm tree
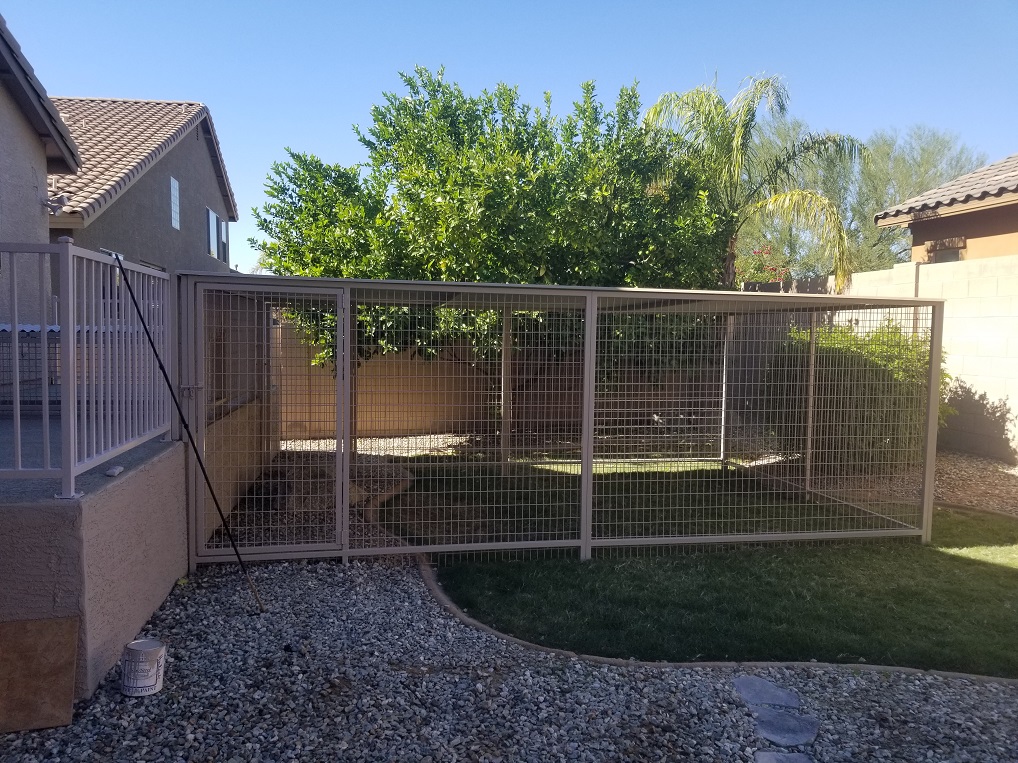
(719, 136)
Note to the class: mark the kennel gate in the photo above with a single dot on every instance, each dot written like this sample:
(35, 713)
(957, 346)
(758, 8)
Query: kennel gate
(352, 418)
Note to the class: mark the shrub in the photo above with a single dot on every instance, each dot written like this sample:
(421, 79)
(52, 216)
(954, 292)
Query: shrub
(869, 397)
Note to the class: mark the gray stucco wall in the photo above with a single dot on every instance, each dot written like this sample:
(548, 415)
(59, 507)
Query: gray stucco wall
(134, 536)
(23, 218)
(41, 563)
(108, 558)
(137, 223)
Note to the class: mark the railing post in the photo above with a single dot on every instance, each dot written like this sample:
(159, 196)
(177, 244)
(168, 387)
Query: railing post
(587, 447)
(15, 360)
(68, 369)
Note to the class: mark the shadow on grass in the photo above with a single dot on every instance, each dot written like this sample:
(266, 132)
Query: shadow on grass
(949, 607)
(456, 502)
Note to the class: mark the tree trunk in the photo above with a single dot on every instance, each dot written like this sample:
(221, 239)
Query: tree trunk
(728, 275)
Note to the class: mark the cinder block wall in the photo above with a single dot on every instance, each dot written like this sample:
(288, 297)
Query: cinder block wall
(981, 341)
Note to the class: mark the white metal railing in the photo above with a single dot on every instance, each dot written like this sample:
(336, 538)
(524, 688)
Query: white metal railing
(78, 381)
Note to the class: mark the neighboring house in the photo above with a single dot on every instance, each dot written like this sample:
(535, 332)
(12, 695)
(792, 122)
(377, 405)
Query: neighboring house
(152, 187)
(967, 229)
(972, 217)
(34, 142)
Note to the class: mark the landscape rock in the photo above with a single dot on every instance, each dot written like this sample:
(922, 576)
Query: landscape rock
(759, 691)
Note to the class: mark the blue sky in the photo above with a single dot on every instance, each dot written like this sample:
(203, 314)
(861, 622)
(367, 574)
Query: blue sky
(299, 74)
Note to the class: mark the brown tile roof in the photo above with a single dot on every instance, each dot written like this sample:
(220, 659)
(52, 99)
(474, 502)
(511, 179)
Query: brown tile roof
(15, 71)
(997, 179)
(120, 140)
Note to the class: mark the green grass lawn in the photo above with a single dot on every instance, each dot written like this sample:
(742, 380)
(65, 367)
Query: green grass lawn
(478, 503)
(950, 605)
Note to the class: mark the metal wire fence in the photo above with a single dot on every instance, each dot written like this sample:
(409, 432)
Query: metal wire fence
(354, 418)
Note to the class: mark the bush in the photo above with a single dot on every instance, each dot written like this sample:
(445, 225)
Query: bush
(869, 393)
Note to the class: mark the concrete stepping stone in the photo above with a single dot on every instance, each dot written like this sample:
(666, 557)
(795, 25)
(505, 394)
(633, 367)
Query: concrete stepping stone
(770, 756)
(759, 691)
(784, 728)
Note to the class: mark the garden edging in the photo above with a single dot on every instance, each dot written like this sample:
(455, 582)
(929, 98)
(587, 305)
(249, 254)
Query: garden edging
(428, 575)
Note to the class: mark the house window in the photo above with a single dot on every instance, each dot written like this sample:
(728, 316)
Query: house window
(224, 242)
(213, 234)
(945, 249)
(945, 255)
(174, 203)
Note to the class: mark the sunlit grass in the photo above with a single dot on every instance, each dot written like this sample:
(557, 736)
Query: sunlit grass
(951, 605)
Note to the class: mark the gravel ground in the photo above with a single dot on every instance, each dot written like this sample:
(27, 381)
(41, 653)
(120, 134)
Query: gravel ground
(979, 482)
(360, 663)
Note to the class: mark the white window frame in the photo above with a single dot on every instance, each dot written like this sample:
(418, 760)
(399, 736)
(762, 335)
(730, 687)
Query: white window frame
(174, 203)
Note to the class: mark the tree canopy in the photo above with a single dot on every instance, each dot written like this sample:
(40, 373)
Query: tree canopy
(744, 183)
(486, 188)
(893, 167)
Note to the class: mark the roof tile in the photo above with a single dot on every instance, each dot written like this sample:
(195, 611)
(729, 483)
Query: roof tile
(119, 139)
(997, 179)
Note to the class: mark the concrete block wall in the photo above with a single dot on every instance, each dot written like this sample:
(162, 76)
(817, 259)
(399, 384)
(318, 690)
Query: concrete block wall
(980, 339)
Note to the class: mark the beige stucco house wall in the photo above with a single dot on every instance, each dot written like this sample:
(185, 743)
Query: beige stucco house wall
(23, 217)
(976, 233)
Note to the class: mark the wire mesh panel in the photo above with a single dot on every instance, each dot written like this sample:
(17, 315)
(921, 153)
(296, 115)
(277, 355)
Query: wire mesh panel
(355, 418)
(726, 422)
(269, 413)
(466, 418)
(832, 404)
(658, 466)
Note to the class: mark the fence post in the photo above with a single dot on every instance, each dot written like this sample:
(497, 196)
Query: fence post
(932, 417)
(68, 369)
(725, 390)
(587, 448)
(345, 325)
(811, 399)
(507, 390)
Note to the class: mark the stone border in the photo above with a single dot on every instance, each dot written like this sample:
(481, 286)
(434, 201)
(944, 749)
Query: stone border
(428, 575)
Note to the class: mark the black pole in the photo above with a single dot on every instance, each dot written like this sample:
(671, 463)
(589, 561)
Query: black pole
(190, 437)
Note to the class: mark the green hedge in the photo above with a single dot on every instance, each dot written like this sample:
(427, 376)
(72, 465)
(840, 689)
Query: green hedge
(870, 393)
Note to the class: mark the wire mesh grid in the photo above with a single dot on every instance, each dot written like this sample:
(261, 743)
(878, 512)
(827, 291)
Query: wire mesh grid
(390, 418)
(476, 400)
(278, 483)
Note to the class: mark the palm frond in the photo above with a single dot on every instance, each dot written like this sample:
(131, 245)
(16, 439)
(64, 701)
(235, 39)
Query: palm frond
(816, 213)
(811, 148)
(743, 112)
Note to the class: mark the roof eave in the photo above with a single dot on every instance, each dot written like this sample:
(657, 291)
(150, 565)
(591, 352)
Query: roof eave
(212, 141)
(61, 151)
(905, 218)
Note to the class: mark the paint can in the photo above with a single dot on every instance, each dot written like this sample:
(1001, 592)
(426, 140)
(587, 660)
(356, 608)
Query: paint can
(141, 667)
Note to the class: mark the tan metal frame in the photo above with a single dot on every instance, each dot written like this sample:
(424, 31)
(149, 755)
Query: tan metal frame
(656, 301)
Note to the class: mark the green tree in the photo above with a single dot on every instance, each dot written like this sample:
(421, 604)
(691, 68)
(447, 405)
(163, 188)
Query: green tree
(893, 167)
(486, 188)
(744, 184)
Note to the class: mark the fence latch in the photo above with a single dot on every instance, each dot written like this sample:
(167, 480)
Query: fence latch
(188, 390)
